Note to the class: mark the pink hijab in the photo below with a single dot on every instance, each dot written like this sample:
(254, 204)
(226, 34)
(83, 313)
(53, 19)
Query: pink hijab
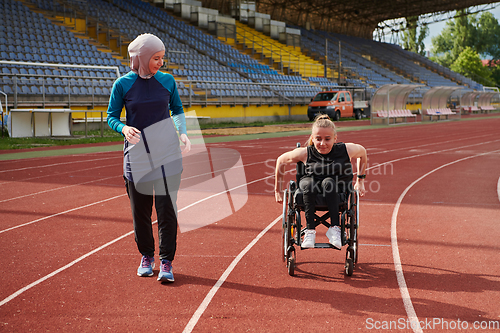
(141, 50)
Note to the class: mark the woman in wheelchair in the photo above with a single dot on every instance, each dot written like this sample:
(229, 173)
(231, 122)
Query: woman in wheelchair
(328, 171)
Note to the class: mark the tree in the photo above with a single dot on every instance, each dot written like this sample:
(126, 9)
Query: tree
(412, 40)
(482, 35)
(489, 35)
(455, 37)
(468, 63)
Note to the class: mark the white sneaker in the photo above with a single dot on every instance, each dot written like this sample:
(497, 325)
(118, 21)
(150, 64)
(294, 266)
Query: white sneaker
(333, 234)
(309, 239)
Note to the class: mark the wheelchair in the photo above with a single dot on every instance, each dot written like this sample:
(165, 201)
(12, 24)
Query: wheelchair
(293, 206)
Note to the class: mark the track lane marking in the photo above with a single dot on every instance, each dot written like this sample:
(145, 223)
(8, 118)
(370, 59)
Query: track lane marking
(405, 295)
(498, 189)
(37, 282)
(6, 300)
(56, 164)
(208, 298)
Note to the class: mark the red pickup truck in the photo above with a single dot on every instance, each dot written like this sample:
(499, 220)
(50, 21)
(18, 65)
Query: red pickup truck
(336, 104)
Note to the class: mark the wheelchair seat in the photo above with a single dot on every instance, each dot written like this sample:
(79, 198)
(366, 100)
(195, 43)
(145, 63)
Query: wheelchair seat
(321, 205)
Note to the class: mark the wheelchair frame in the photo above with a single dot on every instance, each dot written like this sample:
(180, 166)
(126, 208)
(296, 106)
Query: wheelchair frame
(293, 231)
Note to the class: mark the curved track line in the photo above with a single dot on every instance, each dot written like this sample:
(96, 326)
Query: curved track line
(498, 189)
(405, 295)
(203, 306)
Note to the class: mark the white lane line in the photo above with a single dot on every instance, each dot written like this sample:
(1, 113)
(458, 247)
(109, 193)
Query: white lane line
(48, 276)
(60, 213)
(201, 309)
(428, 144)
(31, 285)
(498, 189)
(56, 164)
(405, 295)
(55, 189)
(61, 173)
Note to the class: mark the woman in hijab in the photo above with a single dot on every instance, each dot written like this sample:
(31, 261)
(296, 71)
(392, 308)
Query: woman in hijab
(152, 162)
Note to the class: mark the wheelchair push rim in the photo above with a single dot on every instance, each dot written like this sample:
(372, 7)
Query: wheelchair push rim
(284, 226)
(352, 249)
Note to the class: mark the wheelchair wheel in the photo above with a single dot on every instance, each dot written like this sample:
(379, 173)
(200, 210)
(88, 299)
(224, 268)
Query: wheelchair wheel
(349, 266)
(284, 233)
(356, 226)
(352, 249)
(291, 261)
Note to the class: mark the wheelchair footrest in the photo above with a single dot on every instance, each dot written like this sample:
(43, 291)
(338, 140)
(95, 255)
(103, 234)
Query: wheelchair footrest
(321, 246)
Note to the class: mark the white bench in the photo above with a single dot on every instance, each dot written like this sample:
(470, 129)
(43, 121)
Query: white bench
(395, 114)
(39, 122)
(487, 108)
(443, 112)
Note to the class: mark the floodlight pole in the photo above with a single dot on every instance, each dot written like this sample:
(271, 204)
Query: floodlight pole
(340, 62)
(326, 57)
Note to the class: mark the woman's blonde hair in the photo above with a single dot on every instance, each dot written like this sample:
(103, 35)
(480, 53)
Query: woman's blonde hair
(322, 121)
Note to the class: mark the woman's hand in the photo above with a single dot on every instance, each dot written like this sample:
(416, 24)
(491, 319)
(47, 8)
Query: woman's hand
(185, 140)
(360, 187)
(132, 134)
(278, 196)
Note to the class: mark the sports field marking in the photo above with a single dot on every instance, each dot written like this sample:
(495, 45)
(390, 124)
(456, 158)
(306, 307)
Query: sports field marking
(429, 144)
(98, 202)
(60, 173)
(20, 291)
(55, 189)
(60, 213)
(37, 282)
(201, 309)
(498, 189)
(405, 295)
(56, 164)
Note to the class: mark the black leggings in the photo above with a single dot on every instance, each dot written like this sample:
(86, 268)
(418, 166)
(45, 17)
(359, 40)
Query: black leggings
(326, 188)
(141, 201)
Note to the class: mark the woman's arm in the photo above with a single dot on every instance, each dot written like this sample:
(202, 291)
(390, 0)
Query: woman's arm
(115, 107)
(294, 156)
(358, 152)
(179, 118)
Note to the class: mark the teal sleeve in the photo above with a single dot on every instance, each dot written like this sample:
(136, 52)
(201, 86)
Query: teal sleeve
(115, 107)
(177, 111)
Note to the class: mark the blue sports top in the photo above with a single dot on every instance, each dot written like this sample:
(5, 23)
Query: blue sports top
(147, 102)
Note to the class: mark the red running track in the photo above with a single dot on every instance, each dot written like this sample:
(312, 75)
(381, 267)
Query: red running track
(428, 232)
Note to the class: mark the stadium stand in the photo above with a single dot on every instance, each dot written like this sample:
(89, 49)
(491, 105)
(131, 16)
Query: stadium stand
(40, 49)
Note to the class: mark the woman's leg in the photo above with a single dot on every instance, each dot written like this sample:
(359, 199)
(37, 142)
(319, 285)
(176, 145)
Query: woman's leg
(330, 192)
(307, 186)
(142, 207)
(165, 202)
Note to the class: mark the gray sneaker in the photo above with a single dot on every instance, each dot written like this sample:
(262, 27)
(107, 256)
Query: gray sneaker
(146, 266)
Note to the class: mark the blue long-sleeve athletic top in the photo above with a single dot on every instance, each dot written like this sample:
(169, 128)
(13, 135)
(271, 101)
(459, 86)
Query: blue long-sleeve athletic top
(147, 102)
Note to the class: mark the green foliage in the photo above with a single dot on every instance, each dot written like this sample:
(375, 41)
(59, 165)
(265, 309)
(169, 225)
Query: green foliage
(464, 41)
(488, 44)
(468, 63)
(411, 39)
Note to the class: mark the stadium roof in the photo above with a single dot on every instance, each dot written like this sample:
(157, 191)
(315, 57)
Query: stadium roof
(355, 17)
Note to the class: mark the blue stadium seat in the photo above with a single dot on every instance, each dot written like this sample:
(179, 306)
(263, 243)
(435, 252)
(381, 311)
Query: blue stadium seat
(6, 89)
